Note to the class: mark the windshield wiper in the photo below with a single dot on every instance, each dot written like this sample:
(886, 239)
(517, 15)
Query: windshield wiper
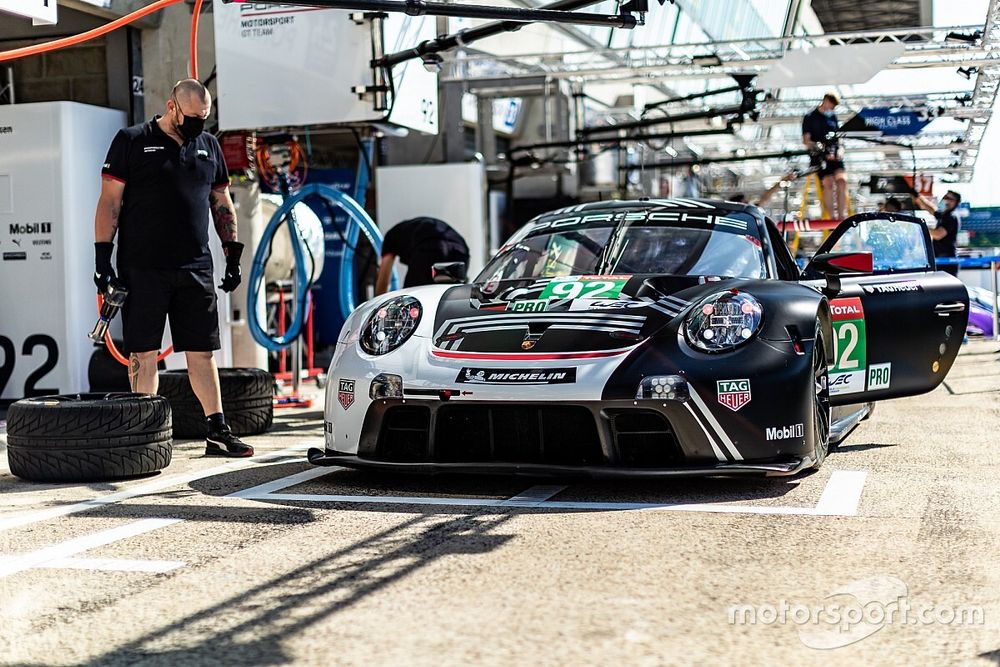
(614, 246)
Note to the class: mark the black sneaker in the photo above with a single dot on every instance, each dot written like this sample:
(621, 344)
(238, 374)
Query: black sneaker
(224, 443)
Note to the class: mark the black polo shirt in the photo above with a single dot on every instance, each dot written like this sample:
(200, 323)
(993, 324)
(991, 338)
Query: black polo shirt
(165, 209)
(946, 247)
(818, 125)
(420, 243)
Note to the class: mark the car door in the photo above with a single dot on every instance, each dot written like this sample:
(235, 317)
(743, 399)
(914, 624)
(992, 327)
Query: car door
(897, 325)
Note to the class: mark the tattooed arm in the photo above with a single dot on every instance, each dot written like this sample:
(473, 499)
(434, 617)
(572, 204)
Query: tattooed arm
(109, 207)
(223, 213)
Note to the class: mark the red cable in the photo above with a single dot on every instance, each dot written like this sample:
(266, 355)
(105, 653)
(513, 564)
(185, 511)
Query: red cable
(35, 49)
(194, 38)
(113, 349)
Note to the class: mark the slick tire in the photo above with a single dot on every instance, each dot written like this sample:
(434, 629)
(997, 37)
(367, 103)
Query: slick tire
(247, 401)
(88, 437)
(821, 400)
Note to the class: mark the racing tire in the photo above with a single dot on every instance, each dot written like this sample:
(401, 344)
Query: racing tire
(88, 437)
(247, 401)
(821, 400)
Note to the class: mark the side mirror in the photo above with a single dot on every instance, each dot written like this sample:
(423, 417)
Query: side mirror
(449, 273)
(839, 263)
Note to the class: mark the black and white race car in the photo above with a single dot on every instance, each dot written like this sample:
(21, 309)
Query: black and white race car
(660, 337)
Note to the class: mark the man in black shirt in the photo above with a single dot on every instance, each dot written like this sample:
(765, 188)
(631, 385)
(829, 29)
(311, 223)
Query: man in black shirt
(419, 243)
(819, 134)
(159, 182)
(945, 234)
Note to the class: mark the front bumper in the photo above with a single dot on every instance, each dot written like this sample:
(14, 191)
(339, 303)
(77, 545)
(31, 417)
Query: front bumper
(318, 457)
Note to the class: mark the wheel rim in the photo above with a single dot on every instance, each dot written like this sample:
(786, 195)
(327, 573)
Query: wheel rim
(821, 400)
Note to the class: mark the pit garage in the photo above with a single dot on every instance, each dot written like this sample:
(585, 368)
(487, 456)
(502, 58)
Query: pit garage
(499, 332)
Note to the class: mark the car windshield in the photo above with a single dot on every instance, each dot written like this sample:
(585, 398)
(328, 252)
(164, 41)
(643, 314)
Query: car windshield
(676, 243)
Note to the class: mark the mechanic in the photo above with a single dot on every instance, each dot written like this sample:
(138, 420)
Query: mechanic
(158, 183)
(419, 243)
(945, 233)
(819, 134)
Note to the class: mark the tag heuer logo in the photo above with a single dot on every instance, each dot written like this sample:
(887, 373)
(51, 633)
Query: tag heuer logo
(345, 393)
(733, 394)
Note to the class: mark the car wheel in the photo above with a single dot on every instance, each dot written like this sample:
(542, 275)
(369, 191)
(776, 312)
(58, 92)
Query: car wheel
(247, 401)
(821, 400)
(88, 437)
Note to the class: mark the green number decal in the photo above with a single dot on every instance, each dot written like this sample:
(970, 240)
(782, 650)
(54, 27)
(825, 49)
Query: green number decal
(583, 288)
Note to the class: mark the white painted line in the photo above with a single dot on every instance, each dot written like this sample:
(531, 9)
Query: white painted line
(80, 544)
(840, 497)
(29, 518)
(842, 494)
(283, 483)
(106, 564)
(536, 495)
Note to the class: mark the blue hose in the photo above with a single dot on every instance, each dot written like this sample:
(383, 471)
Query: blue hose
(362, 223)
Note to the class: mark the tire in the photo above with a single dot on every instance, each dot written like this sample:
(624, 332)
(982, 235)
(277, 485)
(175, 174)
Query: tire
(88, 437)
(247, 401)
(821, 400)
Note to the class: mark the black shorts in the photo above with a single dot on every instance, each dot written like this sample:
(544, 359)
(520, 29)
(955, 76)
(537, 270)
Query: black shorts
(186, 296)
(827, 167)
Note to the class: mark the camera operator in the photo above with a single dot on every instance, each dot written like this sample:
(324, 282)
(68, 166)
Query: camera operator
(159, 182)
(819, 134)
(945, 234)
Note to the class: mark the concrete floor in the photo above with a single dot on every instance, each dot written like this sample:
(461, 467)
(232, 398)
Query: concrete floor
(273, 562)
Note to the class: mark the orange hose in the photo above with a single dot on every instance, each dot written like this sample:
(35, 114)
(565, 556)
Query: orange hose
(88, 35)
(194, 38)
(113, 349)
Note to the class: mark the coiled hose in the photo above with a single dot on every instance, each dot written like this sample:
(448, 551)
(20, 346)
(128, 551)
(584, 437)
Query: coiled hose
(361, 224)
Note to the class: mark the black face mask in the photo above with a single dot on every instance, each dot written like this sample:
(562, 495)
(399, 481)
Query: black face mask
(190, 127)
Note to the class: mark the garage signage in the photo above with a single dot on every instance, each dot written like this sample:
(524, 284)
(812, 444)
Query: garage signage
(42, 12)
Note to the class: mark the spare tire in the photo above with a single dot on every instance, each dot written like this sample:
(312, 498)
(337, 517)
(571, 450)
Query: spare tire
(247, 401)
(88, 437)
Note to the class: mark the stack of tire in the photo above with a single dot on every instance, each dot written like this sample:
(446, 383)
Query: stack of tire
(88, 437)
(247, 402)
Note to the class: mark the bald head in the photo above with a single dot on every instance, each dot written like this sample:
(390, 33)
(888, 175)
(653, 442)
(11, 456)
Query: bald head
(191, 90)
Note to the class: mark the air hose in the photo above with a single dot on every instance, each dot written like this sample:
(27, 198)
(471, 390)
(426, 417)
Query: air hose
(361, 224)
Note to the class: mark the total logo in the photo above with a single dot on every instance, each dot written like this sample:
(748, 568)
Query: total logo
(31, 228)
(785, 432)
(839, 310)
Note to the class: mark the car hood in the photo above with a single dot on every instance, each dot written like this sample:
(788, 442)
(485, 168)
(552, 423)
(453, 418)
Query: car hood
(596, 313)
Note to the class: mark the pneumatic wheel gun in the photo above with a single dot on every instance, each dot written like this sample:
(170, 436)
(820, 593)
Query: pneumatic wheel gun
(114, 298)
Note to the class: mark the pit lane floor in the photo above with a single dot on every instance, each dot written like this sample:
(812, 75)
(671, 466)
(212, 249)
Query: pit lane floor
(891, 553)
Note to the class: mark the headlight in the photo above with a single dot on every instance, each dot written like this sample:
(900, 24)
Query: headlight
(390, 325)
(723, 321)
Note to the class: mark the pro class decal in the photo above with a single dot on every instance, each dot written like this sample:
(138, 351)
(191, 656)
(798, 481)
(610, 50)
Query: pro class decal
(850, 347)
(516, 376)
(528, 306)
(879, 376)
(345, 393)
(585, 287)
(733, 394)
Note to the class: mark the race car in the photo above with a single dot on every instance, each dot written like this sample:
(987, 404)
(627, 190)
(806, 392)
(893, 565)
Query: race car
(651, 338)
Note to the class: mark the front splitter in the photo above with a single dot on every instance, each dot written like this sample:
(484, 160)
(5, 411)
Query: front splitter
(784, 469)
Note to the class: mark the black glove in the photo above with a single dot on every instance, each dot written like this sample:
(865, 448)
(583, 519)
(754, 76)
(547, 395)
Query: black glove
(233, 277)
(104, 273)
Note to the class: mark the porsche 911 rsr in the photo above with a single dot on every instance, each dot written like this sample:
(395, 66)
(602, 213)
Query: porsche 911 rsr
(646, 338)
